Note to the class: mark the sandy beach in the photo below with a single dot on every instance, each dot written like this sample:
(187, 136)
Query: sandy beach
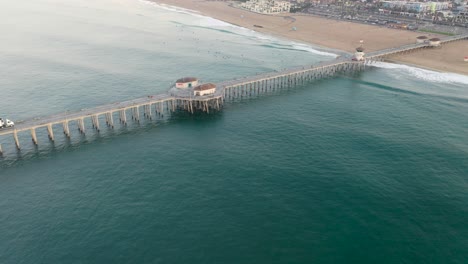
(339, 35)
(447, 58)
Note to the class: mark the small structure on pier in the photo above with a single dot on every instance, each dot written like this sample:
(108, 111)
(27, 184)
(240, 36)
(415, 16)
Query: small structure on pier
(204, 89)
(359, 54)
(186, 82)
(434, 42)
(421, 39)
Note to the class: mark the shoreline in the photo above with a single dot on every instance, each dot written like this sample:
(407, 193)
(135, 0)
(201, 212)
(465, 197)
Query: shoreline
(413, 65)
(320, 48)
(337, 52)
(332, 36)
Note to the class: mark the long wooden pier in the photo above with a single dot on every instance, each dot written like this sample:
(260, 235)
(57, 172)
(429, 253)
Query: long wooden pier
(225, 91)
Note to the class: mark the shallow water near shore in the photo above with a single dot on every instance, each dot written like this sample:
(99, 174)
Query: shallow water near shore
(368, 168)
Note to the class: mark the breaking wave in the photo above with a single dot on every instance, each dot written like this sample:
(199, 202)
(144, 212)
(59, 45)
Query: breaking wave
(423, 74)
(209, 22)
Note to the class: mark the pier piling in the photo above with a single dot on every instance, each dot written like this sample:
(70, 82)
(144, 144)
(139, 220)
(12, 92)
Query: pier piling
(81, 126)
(233, 90)
(66, 129)
(111, 119)
(95, 119)
(33, 136)
(15, 136)
(123, 116)
(136, 113)
(50, 132)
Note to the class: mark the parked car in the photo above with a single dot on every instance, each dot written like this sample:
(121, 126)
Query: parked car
(6, 123)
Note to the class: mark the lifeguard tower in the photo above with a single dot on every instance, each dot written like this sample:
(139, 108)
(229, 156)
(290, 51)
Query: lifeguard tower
(359, 54)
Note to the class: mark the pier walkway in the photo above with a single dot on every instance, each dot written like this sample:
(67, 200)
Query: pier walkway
(228, 90)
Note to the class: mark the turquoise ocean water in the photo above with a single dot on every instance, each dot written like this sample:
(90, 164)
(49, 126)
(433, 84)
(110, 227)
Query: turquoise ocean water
(369, 168)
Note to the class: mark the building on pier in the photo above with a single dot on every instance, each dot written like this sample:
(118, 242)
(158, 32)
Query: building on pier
(359, 54)
(204, 89)
(421, 39)
(434, 42)
(186, 82)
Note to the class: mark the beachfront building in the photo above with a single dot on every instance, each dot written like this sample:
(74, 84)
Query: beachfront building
(204, 89)
(267, 6)
(186, 82)
(417, 7)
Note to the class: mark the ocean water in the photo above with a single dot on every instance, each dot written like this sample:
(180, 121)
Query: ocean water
(366, 168)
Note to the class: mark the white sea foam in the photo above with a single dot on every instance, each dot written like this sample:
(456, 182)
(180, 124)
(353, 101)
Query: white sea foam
(423, 74)
(206, 21)
(308, 48)
(212, 22)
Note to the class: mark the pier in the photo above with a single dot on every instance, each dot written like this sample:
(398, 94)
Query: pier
(172, 101)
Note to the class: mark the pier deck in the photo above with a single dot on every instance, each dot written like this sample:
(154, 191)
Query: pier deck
(238, 88)
(88, 112)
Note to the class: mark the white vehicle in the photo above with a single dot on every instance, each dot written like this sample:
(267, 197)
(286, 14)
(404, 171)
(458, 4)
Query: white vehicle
(6, 123)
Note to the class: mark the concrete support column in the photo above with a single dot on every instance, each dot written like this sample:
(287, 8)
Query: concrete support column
(136, 110)
(148, 109)
(106, 115)
(96, 122)
(1, 150)
(123, 116)
(51, 132)
(33, 136)
(111, 119)
(15, 136)
(81, 126)
(66, 129)
(207, 107)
